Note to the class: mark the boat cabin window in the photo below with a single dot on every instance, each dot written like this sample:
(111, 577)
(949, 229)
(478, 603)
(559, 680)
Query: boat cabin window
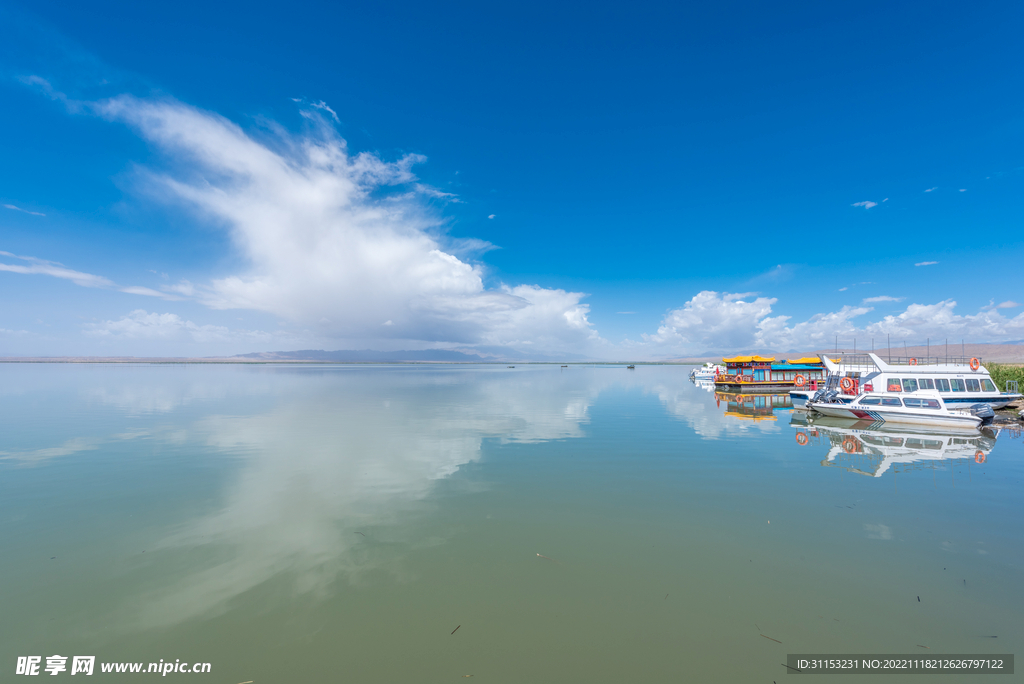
(926, 383)
(922, 403)
(909, 385)
(957, 385)
(870, 401)
(973, 385)
(917, 443)
(987, 385)
(891, 401)
(894, 385)
(942, 384)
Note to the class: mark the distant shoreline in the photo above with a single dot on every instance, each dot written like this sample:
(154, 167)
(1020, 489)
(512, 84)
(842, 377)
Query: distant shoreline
(314, 362)
(992, 353)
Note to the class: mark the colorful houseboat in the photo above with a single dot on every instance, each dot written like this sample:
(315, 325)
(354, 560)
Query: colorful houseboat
(763, 374)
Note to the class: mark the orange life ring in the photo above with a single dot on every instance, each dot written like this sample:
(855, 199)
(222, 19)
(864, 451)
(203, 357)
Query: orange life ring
(799, 380)
(846, 384)
(979, 456)
(850, 445)
(801, 438)
(975, 364)
(913, 361)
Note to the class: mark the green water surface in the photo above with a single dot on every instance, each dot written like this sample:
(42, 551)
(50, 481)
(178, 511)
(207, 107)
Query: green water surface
(337, 523)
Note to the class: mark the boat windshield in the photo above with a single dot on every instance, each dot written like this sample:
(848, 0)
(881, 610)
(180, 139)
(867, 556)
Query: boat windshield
(987, 385)
(922, 403)
(870, 401)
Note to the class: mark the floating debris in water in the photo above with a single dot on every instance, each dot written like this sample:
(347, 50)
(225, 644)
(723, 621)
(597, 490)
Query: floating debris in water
(928, 647)
(791, 667)
(456, 629)
(541, 555)
(918, 599)
(361, 534)
(768, 637)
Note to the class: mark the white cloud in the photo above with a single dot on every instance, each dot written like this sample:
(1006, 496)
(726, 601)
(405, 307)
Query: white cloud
(332, 236)
(142, 325)
(963, 189)
(54, 269)
(867, 204)
(938, 321)
(490, 216)
(321, 105)
(713, 322)
(882, 298)
(1009, 304)
(710, 320)
(932, 189)
(926, 263)
(625, 312)
(149, 292)
(26, 211)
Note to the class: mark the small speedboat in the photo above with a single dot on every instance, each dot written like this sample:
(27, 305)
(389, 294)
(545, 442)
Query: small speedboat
(630, 366)
(924, 408)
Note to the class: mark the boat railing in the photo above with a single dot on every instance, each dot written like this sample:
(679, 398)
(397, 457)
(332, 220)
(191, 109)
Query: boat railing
(1011, 387)
(929, 360)
(853, 361)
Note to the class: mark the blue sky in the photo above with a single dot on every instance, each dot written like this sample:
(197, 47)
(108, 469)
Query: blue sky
(734, 176)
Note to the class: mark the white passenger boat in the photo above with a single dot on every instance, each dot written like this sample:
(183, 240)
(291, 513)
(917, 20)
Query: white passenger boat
(958, 381)
(706, 372)
(925, 407)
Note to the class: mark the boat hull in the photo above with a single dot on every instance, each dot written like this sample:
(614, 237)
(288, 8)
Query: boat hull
(886, 415)
(953, 400)
(751, 387)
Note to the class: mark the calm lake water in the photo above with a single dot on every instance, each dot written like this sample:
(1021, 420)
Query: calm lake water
(337, 523)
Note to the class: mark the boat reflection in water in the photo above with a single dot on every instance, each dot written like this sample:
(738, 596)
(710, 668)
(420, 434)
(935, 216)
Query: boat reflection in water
(704, 384)
(753, 406)
(867, 448)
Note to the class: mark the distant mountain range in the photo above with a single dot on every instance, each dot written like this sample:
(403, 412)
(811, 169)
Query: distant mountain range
(366, 356)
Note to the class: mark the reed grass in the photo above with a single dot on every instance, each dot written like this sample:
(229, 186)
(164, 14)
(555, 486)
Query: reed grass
(1001, 372)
